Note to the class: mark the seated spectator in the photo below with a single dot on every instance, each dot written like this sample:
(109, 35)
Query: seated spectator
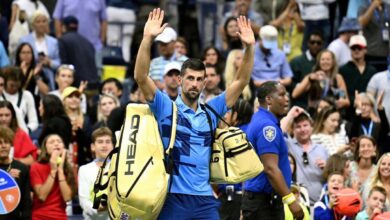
(112, 86)
(22, 99)
(181, 46)
(52, 180)
(323, 81)
(366, 122)
(230, 39)
(337, 163)
(340, 46)
(270, 62)
(4, 61)
(81, 127)
(290, 28)
(327, 131)
(375, 204)
(45, 47)
(357, 72)
(65, 78)
(213, 56)
(211, 88)
(303, 64)
(19, 172)
(233, 62)
(54, 119)
(107, 103)
(23, 148)
(101, 146)
(171, 79)
(363, 167)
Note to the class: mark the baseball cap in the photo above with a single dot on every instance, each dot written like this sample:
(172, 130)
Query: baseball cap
(172, 66)
(269, 37)
(359, 40)
(69, 91)
(70, 21)
(167, 36)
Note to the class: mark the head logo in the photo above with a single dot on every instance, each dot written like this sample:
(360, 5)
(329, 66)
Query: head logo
(132, 145)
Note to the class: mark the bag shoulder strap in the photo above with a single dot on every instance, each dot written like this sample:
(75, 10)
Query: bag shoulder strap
(215, 113)
(209, 121)
(173, 129)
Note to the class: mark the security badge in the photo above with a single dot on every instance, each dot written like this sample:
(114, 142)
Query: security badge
(269, 133)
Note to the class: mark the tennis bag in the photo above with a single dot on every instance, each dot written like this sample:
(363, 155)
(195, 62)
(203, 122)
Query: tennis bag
(137, 181)
(233, 158)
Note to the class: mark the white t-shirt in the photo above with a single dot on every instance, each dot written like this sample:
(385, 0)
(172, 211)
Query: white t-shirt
(341, 51)
(86, 179)
(29, 7)
(381, 82)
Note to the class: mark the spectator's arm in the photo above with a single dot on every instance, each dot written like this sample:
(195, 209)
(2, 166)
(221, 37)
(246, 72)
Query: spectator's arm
(58, 27)
(15, 11)
(43, 190)
(65, 189)
(103, 31)
(365, 18)
(301, 87)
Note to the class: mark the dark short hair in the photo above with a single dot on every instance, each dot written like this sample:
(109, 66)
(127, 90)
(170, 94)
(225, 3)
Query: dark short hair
(103, 131)
(6, 134)
(13, 73)
(377, 189)
(118, 84)
(266, 89)
(317, 33)
(304, 116)
(193, 64)
(244, 111)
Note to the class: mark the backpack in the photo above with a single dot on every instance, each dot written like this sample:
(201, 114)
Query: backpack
(136, 184)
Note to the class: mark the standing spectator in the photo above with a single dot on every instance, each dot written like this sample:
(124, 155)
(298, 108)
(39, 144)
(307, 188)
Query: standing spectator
(54, 119)
(52, 180)
(23, 148)
(290, 26)
(78, 51)
(267, 137)
(340, 46)
(323, 81)
(166, 47)
(315, 14)
(230, 39)
(101, 146)
(4, 61)
(211, 88)
(107, 103)
(270, 62)
(19, 172)
(357, 72)
(303, 64)
(91, 16)
(270, 10)
(27, 6)
(310, 157)
(374, 17)
(20, 98)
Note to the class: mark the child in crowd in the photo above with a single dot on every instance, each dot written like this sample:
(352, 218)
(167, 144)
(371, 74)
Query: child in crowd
(101, 146)
(375, 203)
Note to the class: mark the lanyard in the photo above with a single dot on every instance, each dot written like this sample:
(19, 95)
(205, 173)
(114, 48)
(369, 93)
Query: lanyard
(289, 32)
(369, 129)
(385, 17)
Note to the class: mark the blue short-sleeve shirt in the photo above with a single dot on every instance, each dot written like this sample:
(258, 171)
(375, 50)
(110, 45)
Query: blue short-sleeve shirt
(265, 134)
(191, 152)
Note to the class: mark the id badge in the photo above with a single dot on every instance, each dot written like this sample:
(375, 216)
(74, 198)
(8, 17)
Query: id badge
(286, 48)
(385, 34)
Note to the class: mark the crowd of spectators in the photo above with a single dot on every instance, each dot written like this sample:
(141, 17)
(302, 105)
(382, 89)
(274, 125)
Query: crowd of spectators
(332, 56)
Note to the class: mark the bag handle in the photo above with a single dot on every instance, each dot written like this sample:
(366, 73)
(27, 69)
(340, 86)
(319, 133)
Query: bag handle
(172, 138)
(216, 113)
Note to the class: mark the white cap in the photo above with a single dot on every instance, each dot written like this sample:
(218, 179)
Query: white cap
(172, 66)
(269, 37)
(167, 36)
(358, 40)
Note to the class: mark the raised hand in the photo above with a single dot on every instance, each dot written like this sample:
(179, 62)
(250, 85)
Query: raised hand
(82, 86)
(380, 100)
(153, 24)
(245, 31)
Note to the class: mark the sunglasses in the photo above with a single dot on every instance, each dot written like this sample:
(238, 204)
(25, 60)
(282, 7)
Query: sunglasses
(267, 62)
(315, 42)
(356, 47)
(305, 158)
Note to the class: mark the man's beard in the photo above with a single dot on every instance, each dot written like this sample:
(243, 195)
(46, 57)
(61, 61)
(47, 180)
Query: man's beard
(190, 97)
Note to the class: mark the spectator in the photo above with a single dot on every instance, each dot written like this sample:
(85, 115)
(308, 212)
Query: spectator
(357, 72)
(270, 10)
(22, 99)
(181, 46)
(340, 46)
(270, 62)
(101, 146)
(323, 81)
(65, 78)
(27, 6)
(212, 55)
(290, 26)
(91, 16)
(375, 204)
(78, 51)
(211, 88)
(374, 18)
(230, 39)
(171, 79)
(233, 62)
(20, 173)
(23, 148)
(311, 157)
(315, 14)
(166, 47)
(363, 167)
(54, 119)
(327, 131)
(112, 86)
(4, 61)
(337, 163)
(52, 180)
(303, 64)
(107, 103)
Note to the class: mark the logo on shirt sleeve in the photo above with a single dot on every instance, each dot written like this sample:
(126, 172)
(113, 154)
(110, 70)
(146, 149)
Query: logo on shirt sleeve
(269, 133)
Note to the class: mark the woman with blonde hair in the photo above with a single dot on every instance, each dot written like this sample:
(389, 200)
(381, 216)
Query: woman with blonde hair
(107, 102)
(233, 61)
(323, 81)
